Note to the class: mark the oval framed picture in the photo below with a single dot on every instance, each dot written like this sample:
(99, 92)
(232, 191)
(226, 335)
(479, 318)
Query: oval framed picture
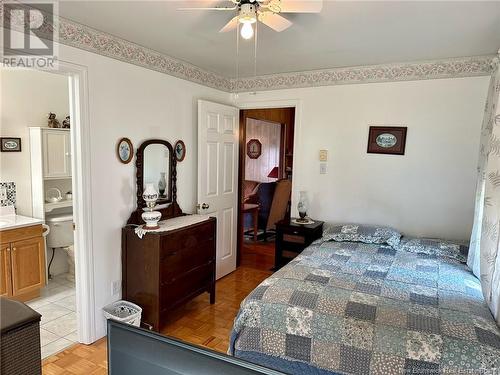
(180, 150)
(125, 150)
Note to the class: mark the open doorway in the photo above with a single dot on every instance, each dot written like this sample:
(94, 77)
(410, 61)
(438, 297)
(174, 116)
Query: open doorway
(265, 181)
(45, 179)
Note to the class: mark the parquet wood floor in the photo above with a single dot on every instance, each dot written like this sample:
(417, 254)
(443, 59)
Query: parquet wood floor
(197, 322)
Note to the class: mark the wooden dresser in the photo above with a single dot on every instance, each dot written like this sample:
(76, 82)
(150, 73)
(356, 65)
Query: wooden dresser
(163, 270)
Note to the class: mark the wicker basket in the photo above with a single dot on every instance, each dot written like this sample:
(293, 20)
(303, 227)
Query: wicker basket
(124, 311)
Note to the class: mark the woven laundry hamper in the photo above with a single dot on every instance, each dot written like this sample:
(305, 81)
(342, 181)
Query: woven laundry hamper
(20, 352)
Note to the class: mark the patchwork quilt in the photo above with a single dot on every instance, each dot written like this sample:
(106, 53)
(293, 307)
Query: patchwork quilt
(356, 308)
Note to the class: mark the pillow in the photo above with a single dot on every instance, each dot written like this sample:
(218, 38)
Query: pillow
(362, 233)
(435, 247)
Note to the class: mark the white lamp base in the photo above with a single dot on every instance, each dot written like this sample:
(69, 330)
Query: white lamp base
(151, 218)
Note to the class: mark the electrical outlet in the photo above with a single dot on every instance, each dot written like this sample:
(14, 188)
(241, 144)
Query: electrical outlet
(116, 287)
(322, 168)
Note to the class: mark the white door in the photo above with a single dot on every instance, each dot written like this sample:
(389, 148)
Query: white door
(218, 134)
(56, 153)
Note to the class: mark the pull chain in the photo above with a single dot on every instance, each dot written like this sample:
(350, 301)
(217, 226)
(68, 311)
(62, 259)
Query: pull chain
(237, 60)
(255, 51)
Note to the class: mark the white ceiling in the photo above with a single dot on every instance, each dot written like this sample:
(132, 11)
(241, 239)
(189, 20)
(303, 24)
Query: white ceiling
(348, 33)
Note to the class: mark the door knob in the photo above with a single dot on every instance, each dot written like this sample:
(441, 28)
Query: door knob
(204, 206)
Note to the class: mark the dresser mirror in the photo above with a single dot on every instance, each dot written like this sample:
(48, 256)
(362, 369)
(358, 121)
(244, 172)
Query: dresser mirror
(156, 164)
(156, 170)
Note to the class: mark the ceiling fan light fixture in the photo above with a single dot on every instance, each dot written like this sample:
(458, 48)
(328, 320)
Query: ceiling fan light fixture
(247, 14)
(246, 31)
(247, 17)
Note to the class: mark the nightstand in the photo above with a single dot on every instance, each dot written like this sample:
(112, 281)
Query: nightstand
(292, 238)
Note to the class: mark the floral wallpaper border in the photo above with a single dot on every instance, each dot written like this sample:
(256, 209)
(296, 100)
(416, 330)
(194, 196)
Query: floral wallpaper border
(86, 38)
(411, 71)
(89, 39)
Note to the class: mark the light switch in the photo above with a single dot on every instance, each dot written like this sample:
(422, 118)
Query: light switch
(323, 155)
(322, 168)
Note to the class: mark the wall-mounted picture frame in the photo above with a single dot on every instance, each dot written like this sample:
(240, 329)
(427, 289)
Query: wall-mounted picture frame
(180, 150)
(387, 140)
(10, 144)
(254, 148)
(125, 150)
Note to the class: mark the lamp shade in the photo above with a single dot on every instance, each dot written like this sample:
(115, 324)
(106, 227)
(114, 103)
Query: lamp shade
(274, 173)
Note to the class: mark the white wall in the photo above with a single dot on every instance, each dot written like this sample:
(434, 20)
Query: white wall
(427, 192)
(26, 99)
(129, 101)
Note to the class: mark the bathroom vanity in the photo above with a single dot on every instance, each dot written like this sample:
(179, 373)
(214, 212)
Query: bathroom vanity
(22, 257)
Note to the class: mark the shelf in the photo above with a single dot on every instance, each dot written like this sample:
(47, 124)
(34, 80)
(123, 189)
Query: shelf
(57, 178)
(52, 206)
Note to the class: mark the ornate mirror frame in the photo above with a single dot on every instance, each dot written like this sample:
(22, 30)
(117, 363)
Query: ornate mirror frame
(173, 209)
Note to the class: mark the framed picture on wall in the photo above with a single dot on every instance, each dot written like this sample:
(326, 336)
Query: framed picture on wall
(125, 150)
(10, 144)
(180, 150)
(254, 148)
(387, 140)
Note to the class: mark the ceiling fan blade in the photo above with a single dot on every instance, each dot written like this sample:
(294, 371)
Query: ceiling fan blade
(274, 21)
(295, 6)
(231, 25)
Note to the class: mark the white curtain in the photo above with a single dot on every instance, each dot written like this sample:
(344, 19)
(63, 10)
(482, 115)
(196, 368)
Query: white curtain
(484, 254)
(269, 135)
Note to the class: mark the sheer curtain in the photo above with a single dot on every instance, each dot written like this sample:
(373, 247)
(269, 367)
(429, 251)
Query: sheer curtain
(484, 254)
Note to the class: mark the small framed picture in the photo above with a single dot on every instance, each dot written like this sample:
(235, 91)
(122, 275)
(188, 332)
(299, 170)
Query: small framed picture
(387, 140)
(180, 150)
(254, 148)
(125, 150)
(10, 144)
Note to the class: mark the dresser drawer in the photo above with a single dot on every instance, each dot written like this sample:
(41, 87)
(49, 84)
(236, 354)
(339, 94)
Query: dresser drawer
(182, 288)
(294, 238)
(175, 264)
(292, 231)
(186, 238)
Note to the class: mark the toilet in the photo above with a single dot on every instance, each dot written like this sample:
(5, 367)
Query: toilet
(61, 236)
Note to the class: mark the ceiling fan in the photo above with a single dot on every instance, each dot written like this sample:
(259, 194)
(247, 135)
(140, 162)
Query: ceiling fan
(265, 11)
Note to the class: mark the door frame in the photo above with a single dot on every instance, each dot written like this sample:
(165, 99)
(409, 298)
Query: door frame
(267, 104)
(82, 197)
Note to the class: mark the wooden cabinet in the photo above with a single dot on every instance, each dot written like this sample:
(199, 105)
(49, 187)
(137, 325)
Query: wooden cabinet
(56, 150)
(5, 274)
(22, 262)
(163, 270)
(27, 260)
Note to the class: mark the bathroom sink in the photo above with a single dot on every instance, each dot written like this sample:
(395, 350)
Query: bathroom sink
(3, 223)
(17, 221)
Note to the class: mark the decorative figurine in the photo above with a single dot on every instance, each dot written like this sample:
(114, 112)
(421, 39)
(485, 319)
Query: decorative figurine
(52, 121)
(66, 123)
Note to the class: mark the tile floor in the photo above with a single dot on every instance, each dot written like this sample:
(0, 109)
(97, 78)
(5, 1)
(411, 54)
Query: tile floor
(57, 305)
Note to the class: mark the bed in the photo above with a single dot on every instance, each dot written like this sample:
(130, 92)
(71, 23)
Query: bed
(368, 308)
